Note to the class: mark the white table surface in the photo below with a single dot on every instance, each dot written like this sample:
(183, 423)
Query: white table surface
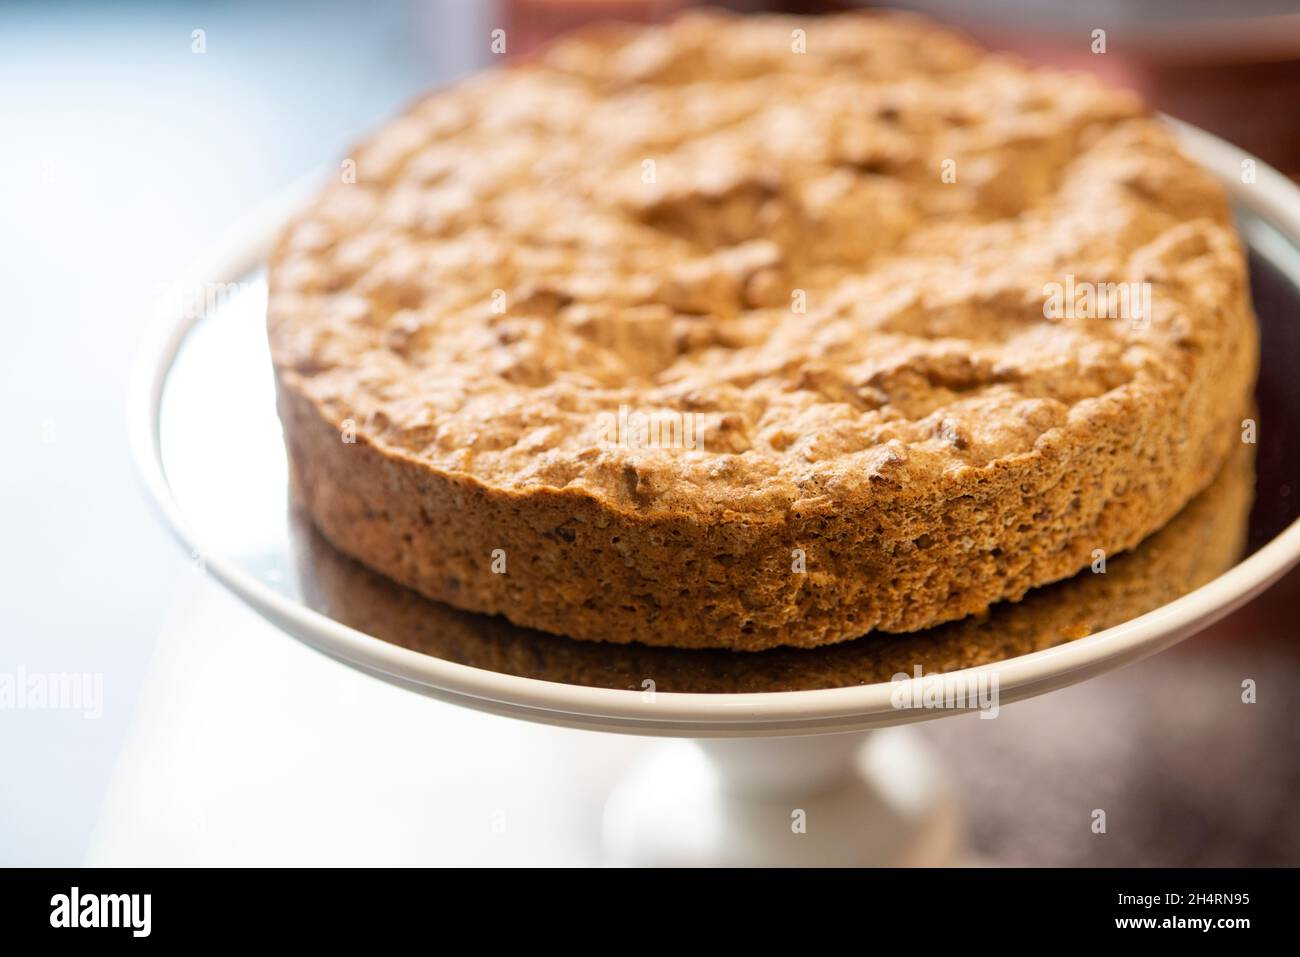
(249, 748)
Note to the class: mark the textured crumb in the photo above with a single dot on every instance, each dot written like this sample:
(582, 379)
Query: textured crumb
(1201, 542)
(821, 274)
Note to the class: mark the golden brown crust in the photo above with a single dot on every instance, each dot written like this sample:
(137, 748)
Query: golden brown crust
(504, 279)
(1201, 542)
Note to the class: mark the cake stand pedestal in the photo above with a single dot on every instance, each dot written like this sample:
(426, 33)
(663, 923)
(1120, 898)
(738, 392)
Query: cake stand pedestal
(874, 798)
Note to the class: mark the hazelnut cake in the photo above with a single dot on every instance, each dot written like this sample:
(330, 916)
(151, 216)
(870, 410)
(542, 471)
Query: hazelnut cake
(745, 332)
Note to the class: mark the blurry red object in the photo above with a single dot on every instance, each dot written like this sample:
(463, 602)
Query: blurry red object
(531, 23)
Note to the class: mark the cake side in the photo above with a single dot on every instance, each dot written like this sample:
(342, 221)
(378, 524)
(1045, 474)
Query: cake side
(1201, 542)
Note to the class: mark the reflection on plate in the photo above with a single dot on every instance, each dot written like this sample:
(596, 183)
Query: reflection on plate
(1203, 541)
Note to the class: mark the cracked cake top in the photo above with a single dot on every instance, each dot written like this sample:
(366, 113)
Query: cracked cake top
(834, 262)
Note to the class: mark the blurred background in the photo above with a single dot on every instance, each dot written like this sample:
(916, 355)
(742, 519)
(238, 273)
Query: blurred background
(134, 134)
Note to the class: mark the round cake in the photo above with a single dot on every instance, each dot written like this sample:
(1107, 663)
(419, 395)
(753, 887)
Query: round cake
(744, 332)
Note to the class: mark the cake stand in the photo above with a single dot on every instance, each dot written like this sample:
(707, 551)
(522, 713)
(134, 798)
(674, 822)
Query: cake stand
(789, 757)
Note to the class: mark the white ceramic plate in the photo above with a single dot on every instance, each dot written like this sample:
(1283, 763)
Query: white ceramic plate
(217, 473)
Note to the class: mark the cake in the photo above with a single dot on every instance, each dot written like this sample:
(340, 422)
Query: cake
(746, 332)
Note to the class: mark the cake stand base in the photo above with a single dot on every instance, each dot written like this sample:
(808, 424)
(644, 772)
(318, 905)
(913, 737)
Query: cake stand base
(832, 800)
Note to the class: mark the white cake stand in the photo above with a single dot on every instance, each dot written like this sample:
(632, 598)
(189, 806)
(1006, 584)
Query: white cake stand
(797, 777)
